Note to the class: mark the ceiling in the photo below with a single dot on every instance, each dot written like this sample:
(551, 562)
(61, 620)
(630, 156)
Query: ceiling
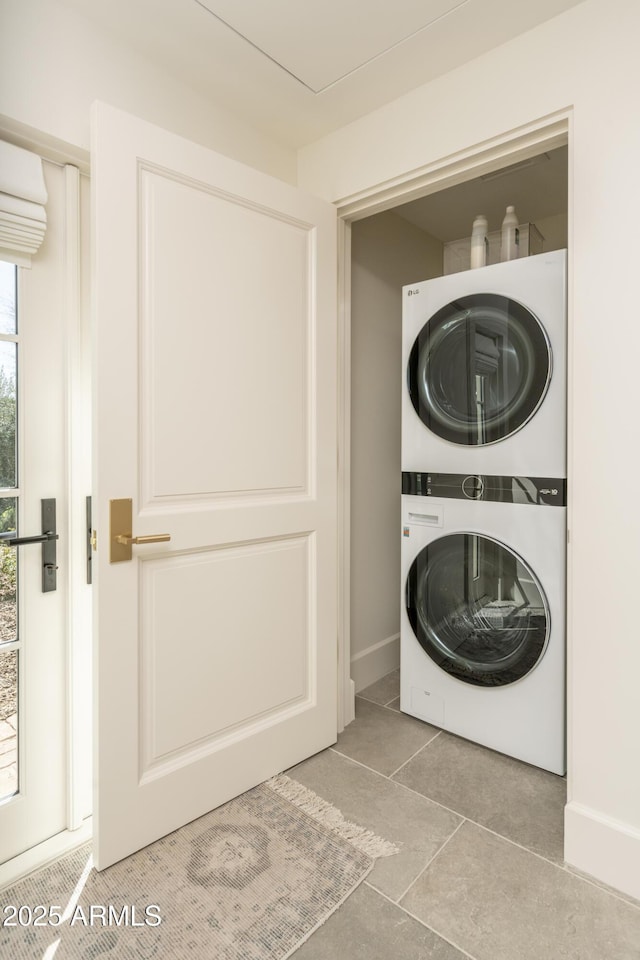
(297, 69)
(538, 189)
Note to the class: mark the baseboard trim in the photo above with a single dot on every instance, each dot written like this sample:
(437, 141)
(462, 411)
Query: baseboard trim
(375, 662)
(44, 853)
(607, 849)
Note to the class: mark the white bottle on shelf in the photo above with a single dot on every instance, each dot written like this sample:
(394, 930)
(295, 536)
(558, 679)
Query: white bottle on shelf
(479, 242)
(510, 245)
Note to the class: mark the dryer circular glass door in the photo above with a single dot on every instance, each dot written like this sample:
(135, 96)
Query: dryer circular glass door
(477, 609)
(479, 369)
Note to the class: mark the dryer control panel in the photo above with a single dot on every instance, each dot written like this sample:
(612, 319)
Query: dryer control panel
(539, 491)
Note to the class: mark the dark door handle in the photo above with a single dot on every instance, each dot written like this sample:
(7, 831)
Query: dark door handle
(12, 541)
(47, 538)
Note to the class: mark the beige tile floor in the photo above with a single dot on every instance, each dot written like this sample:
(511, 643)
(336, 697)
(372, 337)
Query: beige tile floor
(480, 873)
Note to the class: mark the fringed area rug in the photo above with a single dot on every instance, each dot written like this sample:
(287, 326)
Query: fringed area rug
(251, 880)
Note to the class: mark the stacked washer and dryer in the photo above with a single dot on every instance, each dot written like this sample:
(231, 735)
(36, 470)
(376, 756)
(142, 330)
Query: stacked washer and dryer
(484, 506)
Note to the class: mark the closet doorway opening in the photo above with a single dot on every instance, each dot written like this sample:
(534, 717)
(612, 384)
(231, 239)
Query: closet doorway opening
(414, 232)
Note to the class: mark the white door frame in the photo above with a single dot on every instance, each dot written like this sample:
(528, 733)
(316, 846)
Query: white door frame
(78, 828)
(546, 133)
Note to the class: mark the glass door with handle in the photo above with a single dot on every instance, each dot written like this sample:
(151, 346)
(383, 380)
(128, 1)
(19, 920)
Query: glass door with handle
(36, 606)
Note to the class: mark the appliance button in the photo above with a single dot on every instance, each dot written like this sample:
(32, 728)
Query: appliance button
(473, 487)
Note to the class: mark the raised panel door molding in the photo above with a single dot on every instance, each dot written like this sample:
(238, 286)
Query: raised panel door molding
(227, 646)
(232, 419)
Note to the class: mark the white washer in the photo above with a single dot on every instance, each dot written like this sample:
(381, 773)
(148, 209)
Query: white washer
(483, 613)
(484, 370)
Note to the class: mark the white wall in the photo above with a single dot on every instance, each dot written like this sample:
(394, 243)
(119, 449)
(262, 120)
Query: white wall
(554, 229)
(586, 60)
(54, 63)
(387, 252)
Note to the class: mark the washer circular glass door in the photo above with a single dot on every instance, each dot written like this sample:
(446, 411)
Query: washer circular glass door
(477, 609)
(479, 369)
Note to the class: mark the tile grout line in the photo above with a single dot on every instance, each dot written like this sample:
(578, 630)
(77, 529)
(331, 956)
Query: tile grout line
(514, 843)
(430, 861)
(421, 922)
(385, 706)
(399, 783)
(560, 866)
(476, 823)
(385, 776)
(594, 883)
(359, 763)
(431, 800)
(367, 700)
(481, 826)
(554, 863)
(413, 755)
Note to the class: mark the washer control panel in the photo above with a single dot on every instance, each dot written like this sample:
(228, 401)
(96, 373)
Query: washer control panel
(539, 491)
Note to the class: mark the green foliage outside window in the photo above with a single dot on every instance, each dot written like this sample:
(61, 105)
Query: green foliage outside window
(8, 557)
(7, 435)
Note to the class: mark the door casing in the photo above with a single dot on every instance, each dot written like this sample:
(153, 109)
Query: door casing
(546, 133)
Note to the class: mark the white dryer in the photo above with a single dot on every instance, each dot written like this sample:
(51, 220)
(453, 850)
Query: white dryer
(483, 611)
(484, 370)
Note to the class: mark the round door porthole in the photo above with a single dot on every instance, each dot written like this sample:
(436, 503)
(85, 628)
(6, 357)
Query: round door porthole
(479, 369)
(477, 609)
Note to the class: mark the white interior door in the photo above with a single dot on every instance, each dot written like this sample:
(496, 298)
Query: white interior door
(215, 413)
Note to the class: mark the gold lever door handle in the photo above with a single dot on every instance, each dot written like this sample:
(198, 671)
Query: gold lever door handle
(150, 538)
(121, 539)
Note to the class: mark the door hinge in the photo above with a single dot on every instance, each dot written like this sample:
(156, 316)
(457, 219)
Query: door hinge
(92, 541)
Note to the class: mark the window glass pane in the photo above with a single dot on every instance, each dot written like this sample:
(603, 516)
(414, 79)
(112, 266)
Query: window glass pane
(8, 573)
(8, 273)
(8, 723)
(8, 556)
(8, 353)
